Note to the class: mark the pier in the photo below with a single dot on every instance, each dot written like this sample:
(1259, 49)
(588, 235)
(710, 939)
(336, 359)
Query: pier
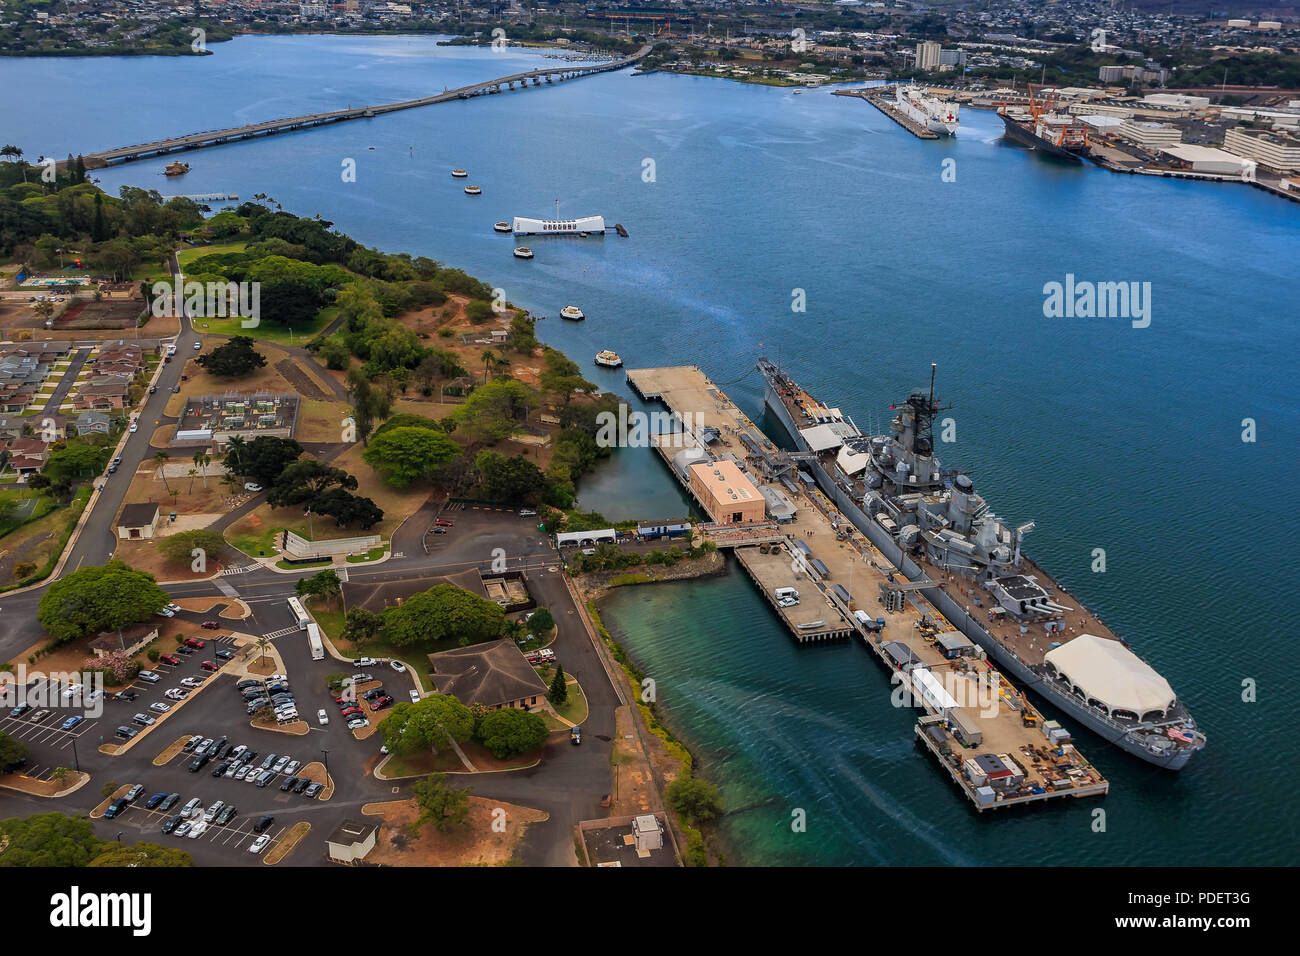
(881, 103)
(982, 730)
(545, 75)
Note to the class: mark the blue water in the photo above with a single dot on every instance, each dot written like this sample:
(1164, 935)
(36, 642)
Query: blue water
(1106, 435)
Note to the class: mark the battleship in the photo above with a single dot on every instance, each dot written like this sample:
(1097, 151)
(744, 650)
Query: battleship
(930, 112)
(932, 525)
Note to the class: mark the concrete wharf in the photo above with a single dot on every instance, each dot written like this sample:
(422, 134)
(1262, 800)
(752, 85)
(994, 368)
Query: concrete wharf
(969, 710)
(882, 104)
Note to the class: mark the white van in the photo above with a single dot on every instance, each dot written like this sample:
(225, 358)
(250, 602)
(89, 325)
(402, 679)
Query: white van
(786, 594)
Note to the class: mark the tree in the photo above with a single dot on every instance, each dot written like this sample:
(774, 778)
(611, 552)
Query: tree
(562, 376)
(13, 753)
(442, 613)
(541, 622)
(360, 625)
(697, 800)
(493, 411)
(262, 459)
(263, 645)
(369, 404)
(95, 599)
(235, 358)
(141, 854)
(179, 548)
(558, 695)
(48, 839)
(409, 454)
(508, 731)
(201, 461)
(514, 481)
(305, 481)
(24, 569)
(411, 728)
(324, 584)
(443, 806)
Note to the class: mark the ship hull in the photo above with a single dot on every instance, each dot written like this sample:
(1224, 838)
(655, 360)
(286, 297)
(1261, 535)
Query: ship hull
(1175, 759)
(1025, 137)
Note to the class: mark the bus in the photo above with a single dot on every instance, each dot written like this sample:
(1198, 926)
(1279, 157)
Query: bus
(313, 639)
(299, 613)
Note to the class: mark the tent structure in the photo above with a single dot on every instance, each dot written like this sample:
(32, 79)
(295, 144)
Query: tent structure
(1108, 672)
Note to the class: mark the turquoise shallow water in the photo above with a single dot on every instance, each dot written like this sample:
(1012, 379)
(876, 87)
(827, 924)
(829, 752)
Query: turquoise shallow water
(1105, 435)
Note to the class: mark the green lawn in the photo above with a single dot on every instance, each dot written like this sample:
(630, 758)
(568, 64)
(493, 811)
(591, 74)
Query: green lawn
(255, 545)
(374, 554)
(198, 252)
(271, 332)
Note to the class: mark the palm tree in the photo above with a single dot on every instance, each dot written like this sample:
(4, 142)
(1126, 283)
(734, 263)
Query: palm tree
(263, 644)
(201, 461)
(193, 472)
(489, 359)
(235, 454)
(502, 366)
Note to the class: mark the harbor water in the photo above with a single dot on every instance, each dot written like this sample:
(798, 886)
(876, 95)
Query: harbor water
(812, 230)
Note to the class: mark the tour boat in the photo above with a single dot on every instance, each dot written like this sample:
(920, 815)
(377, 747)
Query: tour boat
(502, 226)
(459, 173)
(608, 358)
(472, 191)
(176, 169)
(572, 312)
(523, 252)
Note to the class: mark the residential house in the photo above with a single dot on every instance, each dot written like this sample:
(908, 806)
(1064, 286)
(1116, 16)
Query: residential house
(129, 639)
(26, 456)
(93, 423)
(138, 520)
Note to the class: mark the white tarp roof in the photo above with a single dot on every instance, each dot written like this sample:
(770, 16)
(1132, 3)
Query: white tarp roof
(851, 462)
(821, 437)
(1109, 672)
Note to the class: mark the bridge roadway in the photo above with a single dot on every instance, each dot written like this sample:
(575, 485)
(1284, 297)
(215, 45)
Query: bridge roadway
(548, 74)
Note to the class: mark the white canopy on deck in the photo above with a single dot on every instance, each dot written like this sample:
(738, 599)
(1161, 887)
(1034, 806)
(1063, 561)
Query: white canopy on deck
(1109, 672)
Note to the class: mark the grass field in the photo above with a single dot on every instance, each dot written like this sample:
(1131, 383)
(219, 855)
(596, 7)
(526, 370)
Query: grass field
(267, 331)
(198, 252)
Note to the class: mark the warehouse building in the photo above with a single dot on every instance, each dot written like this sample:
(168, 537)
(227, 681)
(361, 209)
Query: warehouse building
(726, 494)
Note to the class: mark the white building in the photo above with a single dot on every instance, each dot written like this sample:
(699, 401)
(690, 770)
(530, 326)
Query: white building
(1177, 100)
(1277, 151)
(1149, 135)
(927, 55)
(1206, 159)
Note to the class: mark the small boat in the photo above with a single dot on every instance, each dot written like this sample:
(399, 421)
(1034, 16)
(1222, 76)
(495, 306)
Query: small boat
(176, 169)
(473, 191)
(523, 252)
(797, 92)
(608, 358)
(502, 226)
(572, 313)
(459, 173)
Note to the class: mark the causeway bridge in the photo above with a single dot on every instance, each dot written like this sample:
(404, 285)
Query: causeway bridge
(545, 75)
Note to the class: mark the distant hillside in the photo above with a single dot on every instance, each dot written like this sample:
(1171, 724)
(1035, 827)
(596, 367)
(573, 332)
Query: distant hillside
(1255, 9)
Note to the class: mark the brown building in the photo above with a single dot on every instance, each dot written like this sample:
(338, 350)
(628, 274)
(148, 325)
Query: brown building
(129, 639)
(493, 674)
(138, 520)
(726, 494)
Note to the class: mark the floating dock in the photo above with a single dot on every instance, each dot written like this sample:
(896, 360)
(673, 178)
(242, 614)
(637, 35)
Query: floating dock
(882, 103)
(982, 730)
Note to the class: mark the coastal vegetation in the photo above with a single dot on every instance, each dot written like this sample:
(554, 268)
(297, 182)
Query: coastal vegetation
(54, 839)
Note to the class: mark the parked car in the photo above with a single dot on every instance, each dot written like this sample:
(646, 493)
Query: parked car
(575, 735)
(221, 768)
(288, 784)
(209, 666)
(193, 804)
(225, 816)
(361, 678)
(224, 654)
(198, 762)
(252, 486)
(323, 717)
(126, 733)
(263, 823)
(176, 693)
(175, 607)
(152, 389)
(210, 625)
(381, 703)
(358, 723)
(311, 791)
(443, 523)
(40, 715)
(265, 777)
(150, 676)
(258, 845)
(197, 828)
(192, 681)
(302, 784)
(212, 811)
(204, 744)
(197, 643)
(397, 666)
(159, 707)
(153, 801)
(182, 649)
(182, 828)
(372, 694)
(134, 793)
(127, 694)
(169, 801)
(365, 662)
(116, 807)
(162, 612)
(20, 710)
(171, 823)
(292, 766)
(170, 659)
(246, 684)
(144, 720)
(415, 696)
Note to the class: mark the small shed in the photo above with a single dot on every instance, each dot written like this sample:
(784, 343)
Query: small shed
(138, 520)
(351, 841)
(648, 833)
